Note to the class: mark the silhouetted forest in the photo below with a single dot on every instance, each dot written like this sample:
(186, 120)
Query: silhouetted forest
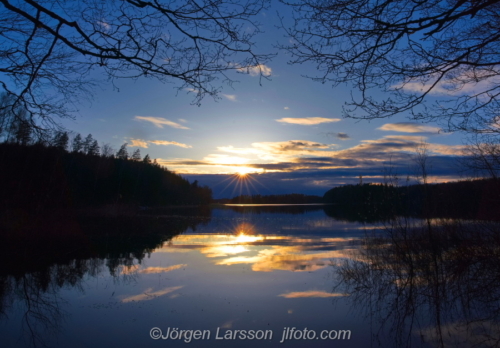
(293, 198)
(40, 177)
(473, 199)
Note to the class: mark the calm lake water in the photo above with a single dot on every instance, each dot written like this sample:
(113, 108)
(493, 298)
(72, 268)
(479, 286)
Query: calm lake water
(272, 270)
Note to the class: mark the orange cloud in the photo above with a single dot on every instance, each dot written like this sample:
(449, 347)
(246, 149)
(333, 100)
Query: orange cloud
(148, 294)
(408, 127)
(311, 293)
(138, 143)
(308, 121)
(165, 142)
(160, 122)
(153, 270)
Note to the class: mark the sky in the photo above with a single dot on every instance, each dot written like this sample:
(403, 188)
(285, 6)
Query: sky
(283, 134)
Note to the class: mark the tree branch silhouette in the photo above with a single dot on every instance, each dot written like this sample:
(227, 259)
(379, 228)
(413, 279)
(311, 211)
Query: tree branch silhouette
(439, 61)
(49, 47)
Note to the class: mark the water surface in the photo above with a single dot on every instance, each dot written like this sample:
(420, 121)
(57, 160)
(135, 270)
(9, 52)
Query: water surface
(267, 269)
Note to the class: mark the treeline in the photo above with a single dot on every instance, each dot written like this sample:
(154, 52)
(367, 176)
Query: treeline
(293, 198)
(46, 175)
(475, 199)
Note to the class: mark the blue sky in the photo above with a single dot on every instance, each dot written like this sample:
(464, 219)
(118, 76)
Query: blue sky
(285, 132)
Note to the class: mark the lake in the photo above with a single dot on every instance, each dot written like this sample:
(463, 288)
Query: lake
(245, 276)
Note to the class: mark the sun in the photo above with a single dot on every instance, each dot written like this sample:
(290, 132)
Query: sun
(243, 172)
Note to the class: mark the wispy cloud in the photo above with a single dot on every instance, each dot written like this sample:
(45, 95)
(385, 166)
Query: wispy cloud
(368, 158)
(145, 143)
(238, 150)
(409, 127)
(138, 143)
(257, 70)
(286, 108)
(308, 121)
(311, 293)
(340, 136)
(165, 142)
(294, 147)
(104, 25)
(281, 150)
(467, 83)
(149, 294)
(160, 122)
(447, 150)
(153, 270)
(230, 97)
(150, 270)
(224, 159)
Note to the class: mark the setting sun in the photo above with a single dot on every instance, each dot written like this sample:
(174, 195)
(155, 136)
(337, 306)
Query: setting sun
(243, 172)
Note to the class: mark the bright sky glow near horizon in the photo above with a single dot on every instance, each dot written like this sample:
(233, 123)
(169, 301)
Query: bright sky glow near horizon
(287, 133)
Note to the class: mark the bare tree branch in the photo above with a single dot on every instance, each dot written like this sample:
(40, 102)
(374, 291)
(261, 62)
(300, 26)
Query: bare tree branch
(438, 60)
(49, 47)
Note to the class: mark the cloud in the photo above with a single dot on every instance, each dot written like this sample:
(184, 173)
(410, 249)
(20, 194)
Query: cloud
(150, 270)
(307, 121)
(449, 150)
(153, 270)
(165, 142)
(148, 294)
(104, 25)
(287, 258)
(311, 293)
(340, 136)
(138, 143)
(303, 155)
(471, 82)
(280, 150)
(317, 178)
(286, 108)
(409, 127)
(238, 150)
(230, 97)
(313, 166)
(129, 269)
(144, 143)
(225, 159)
(159, 122)
(257, 70)
(266, 253)
(291, 147)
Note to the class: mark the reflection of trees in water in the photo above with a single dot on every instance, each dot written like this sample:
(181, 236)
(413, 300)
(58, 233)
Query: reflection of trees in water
(366, 213)
(437, 280)
(36, 264)
(36, 294)
(275, 209)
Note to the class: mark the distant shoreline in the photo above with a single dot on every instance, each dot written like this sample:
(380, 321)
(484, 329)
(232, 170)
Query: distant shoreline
(269, 205)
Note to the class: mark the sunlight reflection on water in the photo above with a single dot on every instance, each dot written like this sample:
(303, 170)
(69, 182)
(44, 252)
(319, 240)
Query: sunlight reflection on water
(251, 270)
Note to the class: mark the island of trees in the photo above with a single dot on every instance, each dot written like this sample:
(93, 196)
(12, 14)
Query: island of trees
(474, 199)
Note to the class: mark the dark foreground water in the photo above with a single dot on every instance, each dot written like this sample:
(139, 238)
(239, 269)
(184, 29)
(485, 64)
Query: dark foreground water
(245, 277)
